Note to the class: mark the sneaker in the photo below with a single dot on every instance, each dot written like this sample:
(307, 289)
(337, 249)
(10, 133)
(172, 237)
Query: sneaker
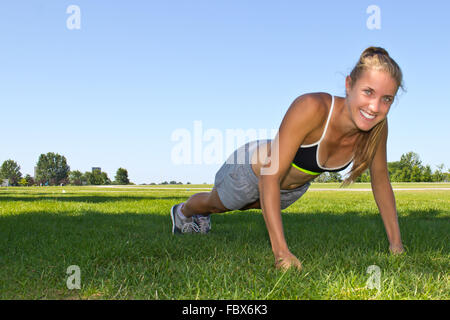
(180, 225)
(203, 223)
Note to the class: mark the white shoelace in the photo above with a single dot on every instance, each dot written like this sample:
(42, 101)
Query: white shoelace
(203, 223)
(189, 227)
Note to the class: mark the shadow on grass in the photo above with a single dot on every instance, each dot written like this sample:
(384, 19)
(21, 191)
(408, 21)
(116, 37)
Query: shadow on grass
(347, 229)
(423, 214)
(67, 197)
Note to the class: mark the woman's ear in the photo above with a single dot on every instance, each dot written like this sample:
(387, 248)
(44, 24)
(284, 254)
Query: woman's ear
(348, 84)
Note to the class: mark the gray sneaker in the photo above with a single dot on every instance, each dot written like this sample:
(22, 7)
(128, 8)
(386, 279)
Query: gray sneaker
(203, 223)
(180, 225)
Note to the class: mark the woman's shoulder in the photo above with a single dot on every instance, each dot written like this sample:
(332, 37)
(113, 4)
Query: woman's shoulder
(318, 100)
(314, 104)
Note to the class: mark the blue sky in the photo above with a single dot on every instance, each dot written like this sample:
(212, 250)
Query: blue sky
(112, 93)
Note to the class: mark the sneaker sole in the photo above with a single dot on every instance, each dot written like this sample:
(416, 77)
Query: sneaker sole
(175, 230)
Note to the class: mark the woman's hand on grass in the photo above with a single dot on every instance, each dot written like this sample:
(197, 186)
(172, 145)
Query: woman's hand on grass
(287, 260)
(396, 248)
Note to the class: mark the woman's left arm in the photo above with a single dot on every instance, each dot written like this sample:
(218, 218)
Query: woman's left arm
(384, 195)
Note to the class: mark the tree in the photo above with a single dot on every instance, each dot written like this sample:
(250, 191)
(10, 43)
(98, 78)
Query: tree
(405, 175)
(427, 174)
(335, 177)
(439, 175)
(52, 169)
(329, 177)
(11, 170)
(416, 174)
(96, 178)
(324, 177)
(122, 176)
(409, 160)
(86, 179)
(364, 177)
(30, 180)
(397, 176)
(405, 167)
(76, 178)
(105, 179)
(393, 167)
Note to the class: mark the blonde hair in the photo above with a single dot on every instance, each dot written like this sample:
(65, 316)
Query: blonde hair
(373, 58)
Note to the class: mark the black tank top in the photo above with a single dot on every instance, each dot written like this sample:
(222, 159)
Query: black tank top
(307, 157)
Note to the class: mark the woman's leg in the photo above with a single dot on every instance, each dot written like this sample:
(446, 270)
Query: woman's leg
(253, 205)
(243, 186)
(203, 203)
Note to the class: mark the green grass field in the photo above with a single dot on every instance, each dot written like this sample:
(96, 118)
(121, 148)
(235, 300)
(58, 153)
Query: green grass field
(121, 240)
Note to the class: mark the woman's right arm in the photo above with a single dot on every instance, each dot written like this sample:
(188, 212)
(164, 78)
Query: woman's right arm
(302, 117)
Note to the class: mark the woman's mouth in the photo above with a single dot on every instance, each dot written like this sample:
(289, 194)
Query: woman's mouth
(366, 116)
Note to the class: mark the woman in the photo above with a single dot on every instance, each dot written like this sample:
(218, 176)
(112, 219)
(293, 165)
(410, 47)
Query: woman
(319, 133)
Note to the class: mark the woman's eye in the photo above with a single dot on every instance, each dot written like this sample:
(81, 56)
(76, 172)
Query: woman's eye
(387, 99)
(368, 92)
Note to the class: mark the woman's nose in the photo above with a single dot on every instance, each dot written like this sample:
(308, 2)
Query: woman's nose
(374, 107)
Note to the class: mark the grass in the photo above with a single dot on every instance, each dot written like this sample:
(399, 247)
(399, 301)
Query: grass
(121, 240)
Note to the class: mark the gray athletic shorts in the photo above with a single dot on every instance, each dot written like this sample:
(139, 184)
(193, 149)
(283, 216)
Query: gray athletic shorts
(237, 184)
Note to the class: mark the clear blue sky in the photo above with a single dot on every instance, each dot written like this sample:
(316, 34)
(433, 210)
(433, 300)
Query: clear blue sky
(111, 93)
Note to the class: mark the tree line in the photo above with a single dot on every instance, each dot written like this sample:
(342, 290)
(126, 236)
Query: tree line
(52, 170)
(408, 169)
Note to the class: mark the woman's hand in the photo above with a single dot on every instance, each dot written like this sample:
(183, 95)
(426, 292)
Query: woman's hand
(287, 260)
(396, 248)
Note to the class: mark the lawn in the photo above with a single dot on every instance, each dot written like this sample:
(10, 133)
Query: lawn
(120, 238)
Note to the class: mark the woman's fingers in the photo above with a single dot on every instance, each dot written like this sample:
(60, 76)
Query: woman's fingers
(286, 263)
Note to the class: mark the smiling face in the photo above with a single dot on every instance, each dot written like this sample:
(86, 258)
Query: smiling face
(370, 97)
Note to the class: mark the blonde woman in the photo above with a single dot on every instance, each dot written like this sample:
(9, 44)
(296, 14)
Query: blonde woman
(319, 132)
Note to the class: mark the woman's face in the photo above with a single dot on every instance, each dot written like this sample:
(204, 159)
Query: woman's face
(370, 98)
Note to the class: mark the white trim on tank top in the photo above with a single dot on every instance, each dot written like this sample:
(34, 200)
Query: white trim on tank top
(321, 138)
(326, 127)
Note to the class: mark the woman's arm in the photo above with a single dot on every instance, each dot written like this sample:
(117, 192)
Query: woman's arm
(304, 115)
(384, 195)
